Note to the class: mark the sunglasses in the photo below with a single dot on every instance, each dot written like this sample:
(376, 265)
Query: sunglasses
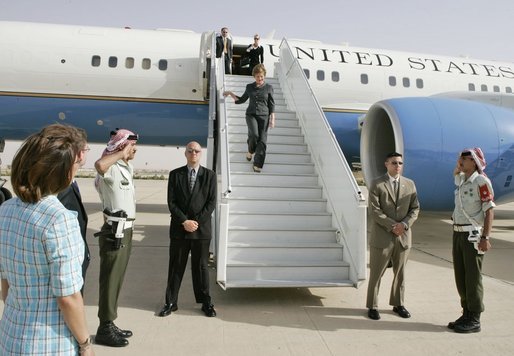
(191, 150)
(396, 163)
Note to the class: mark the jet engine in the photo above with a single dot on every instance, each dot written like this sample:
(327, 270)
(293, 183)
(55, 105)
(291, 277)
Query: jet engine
(430, 132)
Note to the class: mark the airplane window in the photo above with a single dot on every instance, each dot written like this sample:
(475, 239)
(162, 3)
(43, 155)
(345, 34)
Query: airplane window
(471, 87)
(335, 76)
(419, 83)
(307, 73)
(508, 90)
(163, 64)
(113, 62)
(483, 87)
(129, 62)
(392, 81)
(146, 63)
(320, 75)
(496, 89)
(406, 82)
(364, 78)
(95, 61)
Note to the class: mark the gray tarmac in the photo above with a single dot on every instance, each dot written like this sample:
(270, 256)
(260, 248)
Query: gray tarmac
(303, 321)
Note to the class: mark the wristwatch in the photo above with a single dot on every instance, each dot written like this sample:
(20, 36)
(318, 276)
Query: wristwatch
(484, 237)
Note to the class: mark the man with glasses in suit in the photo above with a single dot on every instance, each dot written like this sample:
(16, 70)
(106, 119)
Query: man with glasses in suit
(191, 200)
(394, 206)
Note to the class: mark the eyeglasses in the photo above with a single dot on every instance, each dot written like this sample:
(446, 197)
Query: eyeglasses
(191, 150)
(396, 163)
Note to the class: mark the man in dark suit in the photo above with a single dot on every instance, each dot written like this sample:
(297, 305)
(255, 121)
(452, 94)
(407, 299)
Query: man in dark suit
(224, 46)
(72, 200)
(394, 208)
(191, 200)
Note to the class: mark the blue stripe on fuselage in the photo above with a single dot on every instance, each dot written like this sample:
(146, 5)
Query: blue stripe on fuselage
(157, 123)
(345, 126)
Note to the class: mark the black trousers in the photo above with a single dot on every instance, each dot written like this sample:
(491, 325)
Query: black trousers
(228, 65)
(257, 137)
(179, 253)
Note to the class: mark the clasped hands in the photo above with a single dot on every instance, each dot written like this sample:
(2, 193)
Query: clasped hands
(398, 229)
(190, 225)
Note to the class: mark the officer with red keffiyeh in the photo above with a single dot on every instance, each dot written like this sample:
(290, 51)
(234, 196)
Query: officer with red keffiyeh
(115, 186)
(472, 222)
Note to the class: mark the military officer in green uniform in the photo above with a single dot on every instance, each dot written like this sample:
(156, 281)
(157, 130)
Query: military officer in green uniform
(472, 223)
(114, 183)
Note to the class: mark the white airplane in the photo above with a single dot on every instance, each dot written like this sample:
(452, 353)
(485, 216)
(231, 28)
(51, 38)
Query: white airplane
(154, 81)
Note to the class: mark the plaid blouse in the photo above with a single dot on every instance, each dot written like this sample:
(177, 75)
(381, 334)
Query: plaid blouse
(41, 253)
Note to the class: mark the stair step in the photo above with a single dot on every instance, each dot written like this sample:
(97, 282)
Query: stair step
(255, 206)
(300, 168)
(246, 235)
(239, 111)
(287, 284)
(272, 157)
(300, 274)
(239, 120)
(240, 136)
(272, 147)
(265, 179)
(272, 221)
(279, 192)
(285, 254)
(279, 130)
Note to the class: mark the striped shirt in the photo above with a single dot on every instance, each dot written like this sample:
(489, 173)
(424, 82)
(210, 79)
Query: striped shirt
(41, 253)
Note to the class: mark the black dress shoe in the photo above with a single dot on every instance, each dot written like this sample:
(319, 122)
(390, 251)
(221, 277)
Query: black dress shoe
(373, 314)
(167, 309)
(107, 335)
(208, 310)
(121, 332)
(401, 311)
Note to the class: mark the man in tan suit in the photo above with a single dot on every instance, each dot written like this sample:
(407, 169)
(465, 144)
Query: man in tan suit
(394, 208)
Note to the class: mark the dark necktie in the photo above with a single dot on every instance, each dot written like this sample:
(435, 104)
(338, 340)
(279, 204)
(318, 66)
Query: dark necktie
(396, 186)
(192, 180)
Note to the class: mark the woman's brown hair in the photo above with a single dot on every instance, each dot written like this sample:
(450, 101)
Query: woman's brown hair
(259, 68)
(43, 164)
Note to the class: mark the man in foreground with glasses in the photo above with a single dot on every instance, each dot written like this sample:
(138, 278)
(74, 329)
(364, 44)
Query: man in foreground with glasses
(191, 200)
(394, 206)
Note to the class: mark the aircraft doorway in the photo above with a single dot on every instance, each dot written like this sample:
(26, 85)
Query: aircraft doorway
(239, 51)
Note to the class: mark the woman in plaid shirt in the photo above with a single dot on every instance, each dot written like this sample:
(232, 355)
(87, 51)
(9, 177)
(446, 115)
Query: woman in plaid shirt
(41, 250)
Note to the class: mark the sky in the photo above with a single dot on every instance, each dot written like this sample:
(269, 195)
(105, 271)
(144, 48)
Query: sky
(473, 28)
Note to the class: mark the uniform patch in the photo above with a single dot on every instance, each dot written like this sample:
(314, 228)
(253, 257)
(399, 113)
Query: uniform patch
(485, 193)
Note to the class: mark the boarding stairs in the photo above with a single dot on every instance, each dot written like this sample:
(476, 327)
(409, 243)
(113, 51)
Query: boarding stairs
(280, 233)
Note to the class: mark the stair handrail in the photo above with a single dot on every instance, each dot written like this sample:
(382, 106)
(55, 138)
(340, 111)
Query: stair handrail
(348, 206)
(224, 171)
